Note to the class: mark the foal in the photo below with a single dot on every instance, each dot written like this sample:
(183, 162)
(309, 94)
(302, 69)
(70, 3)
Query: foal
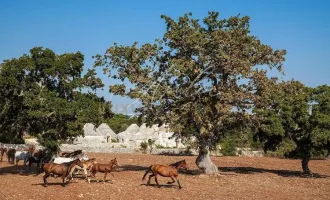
(104, 168)
(82, 165)
(166, 171)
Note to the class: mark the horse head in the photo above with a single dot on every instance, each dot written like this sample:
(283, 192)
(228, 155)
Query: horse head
(114, 162)
(180, 164)
(183, 164)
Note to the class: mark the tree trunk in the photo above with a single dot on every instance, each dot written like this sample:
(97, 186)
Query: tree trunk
(304, 164)
(205, 163)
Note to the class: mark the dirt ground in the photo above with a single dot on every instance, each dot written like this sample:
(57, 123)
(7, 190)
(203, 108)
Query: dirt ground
(239, 178)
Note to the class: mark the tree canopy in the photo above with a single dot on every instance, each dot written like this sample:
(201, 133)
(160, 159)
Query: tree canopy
(207, 73)
(42, 93)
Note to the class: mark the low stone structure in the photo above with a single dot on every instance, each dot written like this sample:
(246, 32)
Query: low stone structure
(92, 135)
(135, 135)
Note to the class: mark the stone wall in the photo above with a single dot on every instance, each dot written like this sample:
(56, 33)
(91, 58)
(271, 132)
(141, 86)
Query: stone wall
(18, 147)
(98, 148)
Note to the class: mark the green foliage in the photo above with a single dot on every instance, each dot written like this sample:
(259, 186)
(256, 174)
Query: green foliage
(228, 148)
(284, 150)
(41, 93)
(120, 122)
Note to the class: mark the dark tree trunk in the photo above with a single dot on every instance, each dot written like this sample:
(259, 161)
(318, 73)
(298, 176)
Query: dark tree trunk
(204, 161)
(304, 164)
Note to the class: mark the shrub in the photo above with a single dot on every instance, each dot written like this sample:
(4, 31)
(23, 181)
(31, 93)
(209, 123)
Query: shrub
(285, 149)
(144, 146)
(113, 140)
(228, 148)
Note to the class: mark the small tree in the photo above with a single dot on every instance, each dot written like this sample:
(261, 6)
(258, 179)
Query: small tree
(203, 75)
(298, 114)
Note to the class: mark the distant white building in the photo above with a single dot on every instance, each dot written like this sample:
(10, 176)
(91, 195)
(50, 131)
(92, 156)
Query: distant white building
(134, 135)
(102, 134)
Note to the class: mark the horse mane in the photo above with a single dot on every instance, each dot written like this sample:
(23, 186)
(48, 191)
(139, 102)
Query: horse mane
(177, 163)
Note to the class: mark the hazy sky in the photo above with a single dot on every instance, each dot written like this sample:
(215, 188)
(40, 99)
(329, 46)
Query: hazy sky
(301, 27)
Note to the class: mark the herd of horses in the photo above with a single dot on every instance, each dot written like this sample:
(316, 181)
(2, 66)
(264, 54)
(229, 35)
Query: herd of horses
(66, 163)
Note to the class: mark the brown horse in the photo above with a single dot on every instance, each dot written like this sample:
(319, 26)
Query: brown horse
(82, 165)
(2, 152)
(166, 171)
(104, 168)
(58, 169)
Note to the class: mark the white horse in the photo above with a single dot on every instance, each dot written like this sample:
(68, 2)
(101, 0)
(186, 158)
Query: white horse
(61, 160)
(22, 155)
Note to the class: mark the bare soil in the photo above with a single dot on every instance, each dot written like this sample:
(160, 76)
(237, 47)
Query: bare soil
(239, 178)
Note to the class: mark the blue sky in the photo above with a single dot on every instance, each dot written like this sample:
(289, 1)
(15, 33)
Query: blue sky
(301, 27)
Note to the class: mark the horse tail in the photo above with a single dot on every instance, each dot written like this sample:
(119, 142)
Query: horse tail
(145, 174)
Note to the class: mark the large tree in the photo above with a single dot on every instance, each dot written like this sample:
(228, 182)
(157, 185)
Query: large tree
(297, 120)
(47, 95)
(204, 75)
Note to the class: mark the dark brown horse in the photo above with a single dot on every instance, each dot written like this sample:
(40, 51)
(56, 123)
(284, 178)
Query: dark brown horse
(11, 155)
(171, 171)
(36, 160)
(70, 154)
(104, 168)
(2, 152)
(59, 170)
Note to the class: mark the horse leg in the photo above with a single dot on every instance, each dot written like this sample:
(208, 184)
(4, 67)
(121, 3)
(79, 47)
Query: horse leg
(150, 176)
(173, 181)
(38, 167)
(157, 181)
(177, 180)
(45, 178)
(93, 173)
(105, 175)
(86, 175)
(63, 179)
(30, 163)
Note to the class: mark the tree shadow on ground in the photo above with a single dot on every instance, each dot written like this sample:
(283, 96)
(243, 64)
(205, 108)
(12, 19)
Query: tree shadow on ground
(144, 168)
(283, 173)
(52, 184)
(20, 170)
(133, 168)
(174, 154)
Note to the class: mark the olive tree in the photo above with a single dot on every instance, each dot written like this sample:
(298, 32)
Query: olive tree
(204, 75)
